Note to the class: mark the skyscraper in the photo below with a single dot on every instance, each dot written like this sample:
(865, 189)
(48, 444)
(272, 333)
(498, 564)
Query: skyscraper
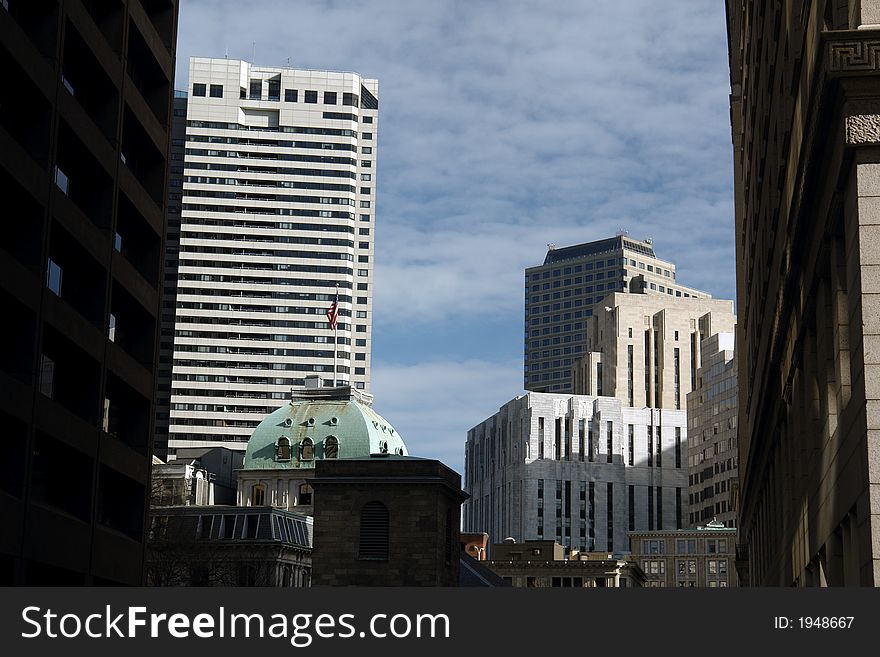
(712, 447)
(645, 349)
(569, 286)
(85, 107)
(277, 213)
(805, 109)
(577, 469)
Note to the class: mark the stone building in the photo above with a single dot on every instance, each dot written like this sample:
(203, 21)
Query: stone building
(196, 476)
(229, 546)
(572, 285)
(805, 112)
(386, 520)
(644, 349)
(712, 445)
(317, 424)
(701, 557)
(541, 564)
(85, 108)
(577, 469)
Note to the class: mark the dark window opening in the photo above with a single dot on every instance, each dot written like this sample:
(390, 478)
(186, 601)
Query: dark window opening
(374, 532)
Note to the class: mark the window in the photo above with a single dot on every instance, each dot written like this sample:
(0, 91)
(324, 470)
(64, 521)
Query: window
(366, 176)
(350, 99)
(367, 150)
(256, 89)
(258, 495)
(47, 376)
(216, 91)
(366, 163)
(374, 539)
(199, 89)
(331, 447)
(365, 204)
(306, 450)
(311, 97)
(290, 95)
(62, 180)
(282, 449)
(305, 495)
(329, 97)
(367, 119)
(367, 135)
(53, 277)
(275, 89)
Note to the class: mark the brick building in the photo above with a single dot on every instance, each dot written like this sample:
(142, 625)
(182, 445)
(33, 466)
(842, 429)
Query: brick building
(386, 521)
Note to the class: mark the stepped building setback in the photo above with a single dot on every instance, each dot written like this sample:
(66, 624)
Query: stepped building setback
(572, 285)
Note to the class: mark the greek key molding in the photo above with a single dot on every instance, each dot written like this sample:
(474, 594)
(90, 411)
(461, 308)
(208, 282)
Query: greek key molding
(846, 56)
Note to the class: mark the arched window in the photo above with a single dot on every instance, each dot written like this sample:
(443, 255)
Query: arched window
(331, 448)
(282, 449)
(258, 495)
(305, 495)
(373, 545)
(306, 450)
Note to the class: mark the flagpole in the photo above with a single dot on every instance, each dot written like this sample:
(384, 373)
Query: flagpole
(335, 332)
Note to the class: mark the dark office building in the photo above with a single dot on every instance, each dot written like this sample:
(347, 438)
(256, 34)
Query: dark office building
(569, 287)
(169, 283)
(85, 108)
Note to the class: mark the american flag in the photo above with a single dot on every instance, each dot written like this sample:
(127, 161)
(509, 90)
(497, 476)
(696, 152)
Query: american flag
(333, 313)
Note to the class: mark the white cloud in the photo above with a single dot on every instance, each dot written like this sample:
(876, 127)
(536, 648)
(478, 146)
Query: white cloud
(432, 404)
(504, 126)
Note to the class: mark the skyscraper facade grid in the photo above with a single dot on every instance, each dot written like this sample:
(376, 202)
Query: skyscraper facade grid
(277, 210)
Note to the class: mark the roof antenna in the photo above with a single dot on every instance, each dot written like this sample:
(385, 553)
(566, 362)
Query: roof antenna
(254, 53)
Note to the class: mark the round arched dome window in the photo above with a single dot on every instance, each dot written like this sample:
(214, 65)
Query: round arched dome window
(282, 449)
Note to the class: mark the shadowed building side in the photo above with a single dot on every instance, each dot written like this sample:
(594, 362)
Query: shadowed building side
(805, 113)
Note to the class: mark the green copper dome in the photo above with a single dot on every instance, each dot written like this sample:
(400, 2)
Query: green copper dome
(319, 424)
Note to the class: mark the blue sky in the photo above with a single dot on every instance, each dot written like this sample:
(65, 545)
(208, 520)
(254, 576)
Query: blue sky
(505, 126)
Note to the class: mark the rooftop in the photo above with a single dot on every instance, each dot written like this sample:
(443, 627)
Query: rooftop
(617, 243)
(318, 424)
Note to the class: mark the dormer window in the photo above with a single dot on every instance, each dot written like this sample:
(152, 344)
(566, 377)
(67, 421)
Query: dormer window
(331, 448)
(282, 449)
(306, 450)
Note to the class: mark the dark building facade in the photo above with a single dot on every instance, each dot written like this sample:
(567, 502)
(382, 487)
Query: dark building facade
(228, 546)
(85, 109)
(805, 113)
(169, 276)
(386, 521)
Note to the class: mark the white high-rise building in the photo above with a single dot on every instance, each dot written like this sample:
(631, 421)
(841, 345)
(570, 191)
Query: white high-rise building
(580, 470)
(277, 210)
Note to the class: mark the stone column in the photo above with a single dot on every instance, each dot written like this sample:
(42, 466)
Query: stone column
(864, 14)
